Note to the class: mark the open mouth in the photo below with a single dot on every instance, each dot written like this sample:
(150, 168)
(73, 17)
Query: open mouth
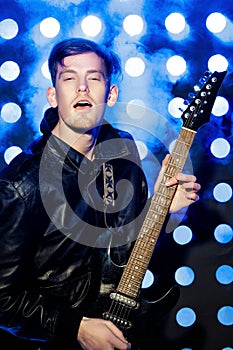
(83, 104)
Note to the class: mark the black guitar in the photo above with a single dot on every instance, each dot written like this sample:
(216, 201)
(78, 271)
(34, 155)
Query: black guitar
(127, 310)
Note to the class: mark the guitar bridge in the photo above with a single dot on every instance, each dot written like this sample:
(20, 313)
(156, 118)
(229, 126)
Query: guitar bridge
(118, 321)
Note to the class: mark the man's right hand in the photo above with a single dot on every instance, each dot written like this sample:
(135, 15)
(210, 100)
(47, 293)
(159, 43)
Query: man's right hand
(98, 334)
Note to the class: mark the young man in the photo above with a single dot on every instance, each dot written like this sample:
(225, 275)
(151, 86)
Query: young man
(74, 192)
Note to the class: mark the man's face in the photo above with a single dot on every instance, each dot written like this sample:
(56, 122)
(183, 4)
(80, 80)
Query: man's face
(81, 91)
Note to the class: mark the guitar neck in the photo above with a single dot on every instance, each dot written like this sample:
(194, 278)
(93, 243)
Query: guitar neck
(134, 272)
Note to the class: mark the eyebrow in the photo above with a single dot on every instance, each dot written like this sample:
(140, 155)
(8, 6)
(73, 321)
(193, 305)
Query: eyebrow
(90, 71)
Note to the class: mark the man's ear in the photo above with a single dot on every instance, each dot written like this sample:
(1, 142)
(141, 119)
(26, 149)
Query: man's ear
(112, 95)
(51, 96)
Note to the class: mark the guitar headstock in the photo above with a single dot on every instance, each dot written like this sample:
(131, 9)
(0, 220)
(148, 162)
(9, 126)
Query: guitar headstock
(199, 109)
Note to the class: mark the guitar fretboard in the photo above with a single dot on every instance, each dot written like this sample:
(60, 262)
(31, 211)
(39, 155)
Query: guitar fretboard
(134, 272)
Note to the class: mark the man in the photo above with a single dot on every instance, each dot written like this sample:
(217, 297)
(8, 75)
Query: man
(76, 190)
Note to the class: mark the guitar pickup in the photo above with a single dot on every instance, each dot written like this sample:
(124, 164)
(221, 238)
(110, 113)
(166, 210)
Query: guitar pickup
(123, 299)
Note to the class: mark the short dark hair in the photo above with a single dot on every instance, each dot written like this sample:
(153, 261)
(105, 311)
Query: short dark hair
(76, 46)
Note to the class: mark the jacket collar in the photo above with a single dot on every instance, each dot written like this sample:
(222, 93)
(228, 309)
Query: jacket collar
(110, 144)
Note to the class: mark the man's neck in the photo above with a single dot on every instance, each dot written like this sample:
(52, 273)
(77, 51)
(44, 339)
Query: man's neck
(83, 143)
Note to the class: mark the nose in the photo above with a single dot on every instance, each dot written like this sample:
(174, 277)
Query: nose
(82, 86)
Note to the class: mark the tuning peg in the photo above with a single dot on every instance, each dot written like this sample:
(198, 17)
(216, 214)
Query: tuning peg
(202, 80)
(207, 74)
(191, 95)
(196, 88)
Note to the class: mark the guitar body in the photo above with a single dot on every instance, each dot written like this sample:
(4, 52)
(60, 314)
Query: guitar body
(144, 319)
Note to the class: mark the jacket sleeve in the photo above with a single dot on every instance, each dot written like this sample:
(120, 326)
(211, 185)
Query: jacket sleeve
(26, 313)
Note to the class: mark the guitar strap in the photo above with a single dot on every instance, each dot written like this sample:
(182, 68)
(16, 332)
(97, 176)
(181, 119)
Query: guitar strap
(108, 178)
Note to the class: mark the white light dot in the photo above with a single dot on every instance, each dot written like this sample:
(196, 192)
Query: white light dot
(184, 276)
(220, 147)
(45, 70)
(133, 24)
(11, 153)
(216, 22)
(148, 279)
(225, 315)
(220, 107)
(172, 145)
(9, 70)
(134, 66)
(142, 149)
(175, 23)
(176, 65)
(224, 274)
(182, 234)
(222, 192)
(49, 27)
(217, 63)
(176, 107)
(8, 28)
(136, 109)
(185, 317)
(223, 233)
(11, 112)
(91, 25)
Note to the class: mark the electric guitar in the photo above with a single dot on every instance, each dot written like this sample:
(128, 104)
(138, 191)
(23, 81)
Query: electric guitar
(127, 310)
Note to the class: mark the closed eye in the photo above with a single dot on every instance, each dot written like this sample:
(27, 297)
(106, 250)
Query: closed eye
(95, 76)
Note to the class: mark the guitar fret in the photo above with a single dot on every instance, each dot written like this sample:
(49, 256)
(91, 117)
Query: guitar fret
(137, 270)
(163, 201)
(133, 284)
(130, 291)
(148, 222)
(144, 240)
(172, 170)
(151, 233)
(174, 166)
(142, 261)
(132, 276)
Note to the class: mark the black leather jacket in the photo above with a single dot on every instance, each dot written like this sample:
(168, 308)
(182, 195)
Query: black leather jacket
(53, 234)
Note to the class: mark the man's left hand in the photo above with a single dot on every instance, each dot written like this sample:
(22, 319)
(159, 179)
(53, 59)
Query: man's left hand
(187, 188)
